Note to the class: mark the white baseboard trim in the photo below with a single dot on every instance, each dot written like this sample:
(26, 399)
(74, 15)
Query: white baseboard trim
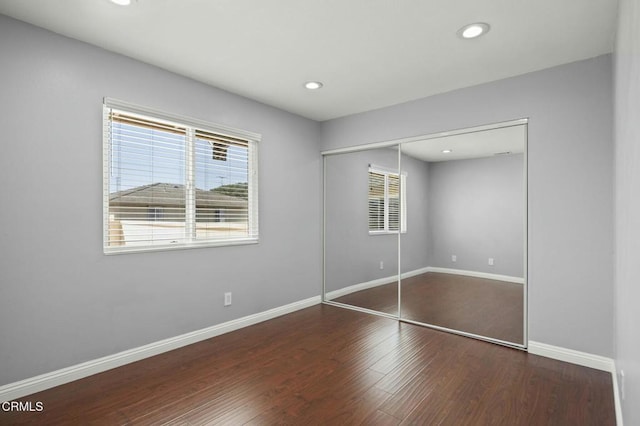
(373, 283)
(574, 357)
(497, 277)
(586, 360)
(616, 395)
(42, 382)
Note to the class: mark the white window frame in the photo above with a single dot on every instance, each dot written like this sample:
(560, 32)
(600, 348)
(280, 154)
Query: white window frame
(387, 172)
(253, 139)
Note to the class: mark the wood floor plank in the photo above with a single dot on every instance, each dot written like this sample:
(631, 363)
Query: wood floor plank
(327, 365)
(380, 418)
(271, 385)
(404, 372)
(353, 411)
(373, 356)
(409, 397)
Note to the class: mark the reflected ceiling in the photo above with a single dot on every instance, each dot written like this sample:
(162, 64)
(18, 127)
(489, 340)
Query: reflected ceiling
(485, 143)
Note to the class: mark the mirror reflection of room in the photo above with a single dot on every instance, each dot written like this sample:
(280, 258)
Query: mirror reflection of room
(474, 276)
(452, 209)
(362, 217)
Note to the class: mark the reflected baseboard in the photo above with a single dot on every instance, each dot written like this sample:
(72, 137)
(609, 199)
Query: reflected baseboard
(373, 283)
(497, 277)
(386, 280)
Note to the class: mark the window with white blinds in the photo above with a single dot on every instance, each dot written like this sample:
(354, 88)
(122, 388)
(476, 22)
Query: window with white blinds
(387, 201)
(175, 182)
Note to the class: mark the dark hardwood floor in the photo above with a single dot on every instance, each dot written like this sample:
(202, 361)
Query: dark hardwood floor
(475, 305)
(382, 298)
(330, 366)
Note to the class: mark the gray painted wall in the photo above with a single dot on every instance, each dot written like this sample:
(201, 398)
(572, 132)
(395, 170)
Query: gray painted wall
(62, 301)
(476, 211)
(627, 205)
(414, 244)
(570, 161)
(352, 255)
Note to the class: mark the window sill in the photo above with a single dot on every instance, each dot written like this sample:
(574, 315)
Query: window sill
(179, 246)
(385, 232)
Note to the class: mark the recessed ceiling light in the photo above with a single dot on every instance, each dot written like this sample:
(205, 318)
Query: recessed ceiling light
(473, 30)
(121, 2)
(447, 151)
(313, 85)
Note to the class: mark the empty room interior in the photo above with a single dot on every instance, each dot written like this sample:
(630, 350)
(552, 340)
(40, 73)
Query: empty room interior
(320, 212)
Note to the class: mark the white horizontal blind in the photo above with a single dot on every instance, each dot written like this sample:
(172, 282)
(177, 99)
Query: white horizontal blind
(171, 184)
(387, 201)
(221, 164)
(403, 203)
(376, 201)
(393, 202)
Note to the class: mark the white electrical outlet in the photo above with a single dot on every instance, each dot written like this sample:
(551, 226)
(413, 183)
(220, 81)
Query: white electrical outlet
(227, 299)
(381, 264)
(622, 393)
(491, 261)
(454, 258)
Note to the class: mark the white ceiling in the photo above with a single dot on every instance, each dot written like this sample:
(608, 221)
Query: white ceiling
(476, 144)
(369, 53)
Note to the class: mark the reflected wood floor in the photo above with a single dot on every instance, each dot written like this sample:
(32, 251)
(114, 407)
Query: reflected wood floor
(476, 305)
(330, 366)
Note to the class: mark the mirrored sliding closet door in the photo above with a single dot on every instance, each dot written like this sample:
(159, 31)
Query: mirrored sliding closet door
(463, 259)
(432, 230)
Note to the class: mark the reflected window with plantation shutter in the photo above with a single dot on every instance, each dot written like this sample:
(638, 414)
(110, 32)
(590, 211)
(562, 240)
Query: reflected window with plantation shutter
(176, 182)
(387, 201)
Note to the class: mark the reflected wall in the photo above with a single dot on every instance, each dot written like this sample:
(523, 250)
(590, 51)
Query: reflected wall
(361, 269)
(477, 213)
